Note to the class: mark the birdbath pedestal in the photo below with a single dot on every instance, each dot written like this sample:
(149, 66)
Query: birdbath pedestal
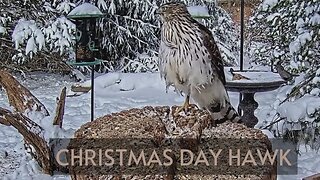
(258, 82)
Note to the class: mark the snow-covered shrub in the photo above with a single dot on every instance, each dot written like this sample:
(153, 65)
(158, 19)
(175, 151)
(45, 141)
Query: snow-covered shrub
(289, 32)
(36, 37)
(129, 33)
(53, 37)
(131, 28)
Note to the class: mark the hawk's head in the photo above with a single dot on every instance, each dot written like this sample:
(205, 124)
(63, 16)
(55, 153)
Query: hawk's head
(171, 10)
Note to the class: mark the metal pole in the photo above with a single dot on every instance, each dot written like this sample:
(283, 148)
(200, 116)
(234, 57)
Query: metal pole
(92, 93)
(241, 33)
(241, 44)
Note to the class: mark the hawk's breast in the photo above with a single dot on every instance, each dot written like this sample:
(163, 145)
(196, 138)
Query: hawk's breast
(183, 58)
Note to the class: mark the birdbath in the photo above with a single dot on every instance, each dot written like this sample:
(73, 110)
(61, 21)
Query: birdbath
(259, 81)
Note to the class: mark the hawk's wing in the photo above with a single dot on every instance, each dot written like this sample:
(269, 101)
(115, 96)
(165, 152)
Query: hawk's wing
(215, 56)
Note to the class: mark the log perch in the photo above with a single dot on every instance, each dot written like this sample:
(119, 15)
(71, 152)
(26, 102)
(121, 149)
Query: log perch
(33, 136)
(19, 96)
(153, 126)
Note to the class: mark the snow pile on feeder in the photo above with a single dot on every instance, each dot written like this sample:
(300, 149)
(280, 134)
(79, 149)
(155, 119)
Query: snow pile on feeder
(198, 11)
(85, 9)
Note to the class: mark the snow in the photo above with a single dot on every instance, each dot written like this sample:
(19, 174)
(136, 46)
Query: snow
(198, 10)
(115, 92)
(269, 4)
(315, 19)
(22, 31)
(31, 46)
(2, 30)
(56, 35)
(85, 9)
(254, 77)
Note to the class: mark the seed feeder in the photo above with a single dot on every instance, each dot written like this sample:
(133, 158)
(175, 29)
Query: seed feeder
(85, 17)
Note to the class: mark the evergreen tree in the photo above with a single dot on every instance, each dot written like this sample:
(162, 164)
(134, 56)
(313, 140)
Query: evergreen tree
(129, 31)
(288, 32)
(33, 36)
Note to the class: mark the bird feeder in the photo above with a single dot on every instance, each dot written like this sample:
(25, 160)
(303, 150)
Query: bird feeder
(85, 17)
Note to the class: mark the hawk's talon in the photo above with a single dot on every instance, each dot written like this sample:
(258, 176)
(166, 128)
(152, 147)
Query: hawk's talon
(184, 107)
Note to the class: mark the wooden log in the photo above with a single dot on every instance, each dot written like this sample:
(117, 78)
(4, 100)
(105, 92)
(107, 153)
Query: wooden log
(58, 119)
(313, 177)
(80, 89)
(4, 122)
(2, 119)
(19, 96)
(155, 125)
(33, 136)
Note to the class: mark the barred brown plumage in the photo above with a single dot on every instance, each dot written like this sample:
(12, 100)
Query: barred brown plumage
(190, 61)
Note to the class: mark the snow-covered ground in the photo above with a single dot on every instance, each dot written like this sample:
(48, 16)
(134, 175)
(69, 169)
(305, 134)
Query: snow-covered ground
(114, 92)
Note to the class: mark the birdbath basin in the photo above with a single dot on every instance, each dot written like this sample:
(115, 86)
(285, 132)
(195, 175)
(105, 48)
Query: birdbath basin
(259, 81)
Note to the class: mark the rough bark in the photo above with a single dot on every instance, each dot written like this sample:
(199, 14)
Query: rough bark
(4, 122)
(33, 136)
(313, 177)
(19, 96)
(58, 119)
(155, 124)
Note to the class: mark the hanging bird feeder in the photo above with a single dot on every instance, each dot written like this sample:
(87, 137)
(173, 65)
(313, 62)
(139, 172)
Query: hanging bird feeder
(85, 17)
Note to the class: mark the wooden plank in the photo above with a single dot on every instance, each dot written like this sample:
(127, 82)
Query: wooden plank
(80, 89)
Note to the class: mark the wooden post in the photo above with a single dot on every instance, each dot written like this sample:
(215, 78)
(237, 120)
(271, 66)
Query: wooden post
(60, 108)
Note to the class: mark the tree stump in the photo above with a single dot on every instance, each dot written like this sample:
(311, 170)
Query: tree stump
(192, 131)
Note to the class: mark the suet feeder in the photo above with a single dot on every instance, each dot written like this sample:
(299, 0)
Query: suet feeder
(85, 17)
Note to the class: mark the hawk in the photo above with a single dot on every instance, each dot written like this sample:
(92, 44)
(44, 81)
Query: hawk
(190, 61)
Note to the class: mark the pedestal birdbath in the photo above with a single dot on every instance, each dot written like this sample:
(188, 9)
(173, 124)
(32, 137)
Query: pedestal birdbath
(85, 17)
(258, 81)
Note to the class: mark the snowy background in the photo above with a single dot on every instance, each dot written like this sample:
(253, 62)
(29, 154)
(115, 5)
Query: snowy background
(114, 92)
(37, 36)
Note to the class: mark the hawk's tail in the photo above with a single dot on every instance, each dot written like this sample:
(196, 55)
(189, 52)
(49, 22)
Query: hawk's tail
(224, 114)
